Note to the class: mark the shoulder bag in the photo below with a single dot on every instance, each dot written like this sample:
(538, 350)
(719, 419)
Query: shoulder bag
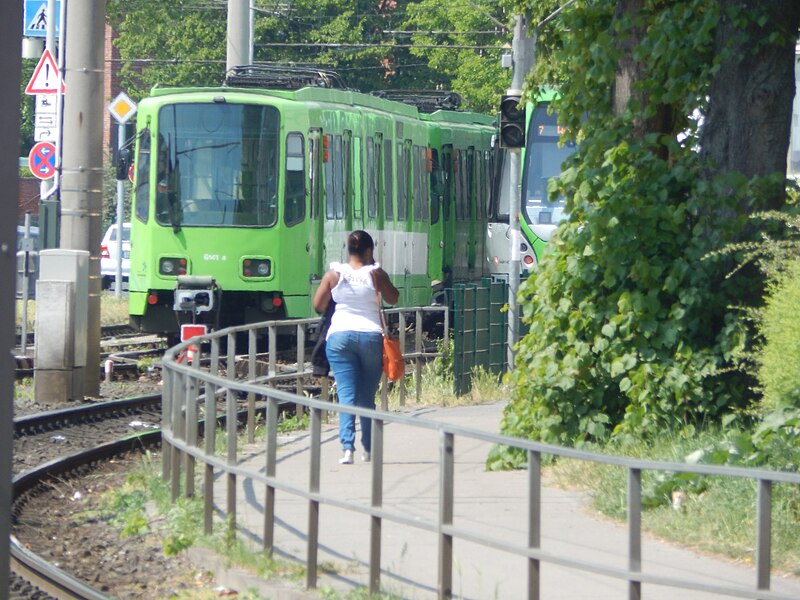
(393, 363)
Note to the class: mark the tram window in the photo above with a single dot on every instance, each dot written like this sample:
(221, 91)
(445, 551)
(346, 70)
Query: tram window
(143, 177)
(417, 192)
(338, 183)
(347, 175)
(420, 184)
(423, 182)
(469, 211)
(388, 181)
(295, 184)
(313, 171)
(372, 179)
(462, 187)
(447, 175)
(436, 187)
(402, 194)
(327, 147)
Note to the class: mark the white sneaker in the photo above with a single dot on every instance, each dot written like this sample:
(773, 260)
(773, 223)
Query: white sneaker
(366, 457)
(347, 459)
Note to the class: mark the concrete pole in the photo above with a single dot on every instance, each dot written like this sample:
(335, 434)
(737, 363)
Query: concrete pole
(238, 33)
(10, 44)
(522, 59)
(47, 237)
(82, 169)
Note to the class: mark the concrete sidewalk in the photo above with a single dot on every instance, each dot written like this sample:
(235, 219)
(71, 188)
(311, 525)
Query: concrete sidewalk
(484, 501)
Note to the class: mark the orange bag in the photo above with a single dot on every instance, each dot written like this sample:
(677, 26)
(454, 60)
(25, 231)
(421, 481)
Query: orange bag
(393, 364)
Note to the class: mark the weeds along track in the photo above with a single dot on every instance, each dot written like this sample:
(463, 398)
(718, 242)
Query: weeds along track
(58, 445)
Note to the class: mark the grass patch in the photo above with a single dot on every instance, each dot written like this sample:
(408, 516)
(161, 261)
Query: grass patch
(717, 514)
(113, 311)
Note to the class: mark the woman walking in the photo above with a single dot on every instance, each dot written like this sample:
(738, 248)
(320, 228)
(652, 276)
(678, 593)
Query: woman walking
(355, 337)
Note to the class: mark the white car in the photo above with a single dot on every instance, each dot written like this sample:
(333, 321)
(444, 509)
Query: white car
(108, 255)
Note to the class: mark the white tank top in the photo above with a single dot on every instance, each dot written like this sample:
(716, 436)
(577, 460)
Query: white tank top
(356, 302)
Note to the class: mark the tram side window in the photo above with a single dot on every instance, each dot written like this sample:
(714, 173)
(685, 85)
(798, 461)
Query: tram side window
(436, 187)
(372, 179)
(294, 192)
(327, 146)
(338, 178)
(388, 181)
(313, 171)
(487, 182)
(143, 177)
(447, 175)
(462, 186)
(420, 184)
(469, 211)
(480, 176)
(402, 193)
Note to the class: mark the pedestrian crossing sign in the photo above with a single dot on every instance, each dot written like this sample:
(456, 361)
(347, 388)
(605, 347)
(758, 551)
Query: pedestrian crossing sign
(35, 18)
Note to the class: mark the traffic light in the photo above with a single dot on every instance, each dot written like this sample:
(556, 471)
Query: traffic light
(512, 122)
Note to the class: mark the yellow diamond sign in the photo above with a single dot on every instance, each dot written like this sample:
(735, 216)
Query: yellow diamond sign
(122, 108)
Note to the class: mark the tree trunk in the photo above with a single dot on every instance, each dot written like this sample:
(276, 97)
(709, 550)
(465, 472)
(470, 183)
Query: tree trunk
(750, 105)
(630, 72)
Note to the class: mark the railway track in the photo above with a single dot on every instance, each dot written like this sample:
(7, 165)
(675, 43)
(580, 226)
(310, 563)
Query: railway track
(62, 443)
(54, 448)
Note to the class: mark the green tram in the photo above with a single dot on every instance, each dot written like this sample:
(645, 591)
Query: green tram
(245, 193)
(541, 159)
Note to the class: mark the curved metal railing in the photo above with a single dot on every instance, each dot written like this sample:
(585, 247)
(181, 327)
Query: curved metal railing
(191, 393)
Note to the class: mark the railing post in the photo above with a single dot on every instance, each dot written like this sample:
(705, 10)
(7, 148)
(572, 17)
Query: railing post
(271, 461)
(178, 387)
(376, 523)
(251, 376)
(402, 336)
(301, 359)
(418, 352)
(534, 520)
(634, 532)
(209, 438)
(313, 505)
(166, 423)
(763, 533)
(446, 484)
(231, 431)
(192, 395)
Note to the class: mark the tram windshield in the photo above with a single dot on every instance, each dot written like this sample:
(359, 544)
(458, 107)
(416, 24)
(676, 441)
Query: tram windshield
(543, 160)
(217, 165)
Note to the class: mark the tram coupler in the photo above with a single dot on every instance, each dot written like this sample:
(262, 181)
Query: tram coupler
(195, 293)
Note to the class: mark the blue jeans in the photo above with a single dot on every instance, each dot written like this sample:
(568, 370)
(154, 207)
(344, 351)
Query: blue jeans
(356, 359)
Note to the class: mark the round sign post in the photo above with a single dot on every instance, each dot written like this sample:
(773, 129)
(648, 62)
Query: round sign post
(130, 173)
(42, 160)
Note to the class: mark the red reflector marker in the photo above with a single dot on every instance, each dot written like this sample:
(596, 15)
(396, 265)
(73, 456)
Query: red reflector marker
(152, 299)
(277, 301)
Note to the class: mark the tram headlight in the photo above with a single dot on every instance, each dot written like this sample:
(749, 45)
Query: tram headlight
(172, 266)
(256, 267)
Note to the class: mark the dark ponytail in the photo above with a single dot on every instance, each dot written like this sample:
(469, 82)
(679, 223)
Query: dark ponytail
(359, 242)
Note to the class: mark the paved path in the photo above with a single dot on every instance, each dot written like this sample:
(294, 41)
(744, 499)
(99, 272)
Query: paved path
(495, 501)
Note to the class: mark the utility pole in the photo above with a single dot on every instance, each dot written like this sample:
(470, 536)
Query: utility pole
(10, 44)
(522, 49)
(239, 42)
(82, 168)
(48, 209)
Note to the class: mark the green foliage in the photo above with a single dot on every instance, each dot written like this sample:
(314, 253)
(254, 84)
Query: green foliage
(168, 43)
(779, 359)
(184, 43)
(634, 325)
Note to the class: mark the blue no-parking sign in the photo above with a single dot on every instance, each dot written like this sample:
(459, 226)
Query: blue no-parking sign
(36, 17)
(42, 160)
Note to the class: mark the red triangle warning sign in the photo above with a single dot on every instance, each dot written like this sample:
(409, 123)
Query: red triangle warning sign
(45, 77)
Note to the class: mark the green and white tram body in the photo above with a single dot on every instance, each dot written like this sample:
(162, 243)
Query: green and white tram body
(243, 196)
(540, 160)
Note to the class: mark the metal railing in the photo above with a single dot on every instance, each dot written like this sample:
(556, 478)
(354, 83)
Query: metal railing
(191, 390)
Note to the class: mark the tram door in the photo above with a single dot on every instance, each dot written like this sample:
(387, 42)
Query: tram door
(447, 215)
(315, 245)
